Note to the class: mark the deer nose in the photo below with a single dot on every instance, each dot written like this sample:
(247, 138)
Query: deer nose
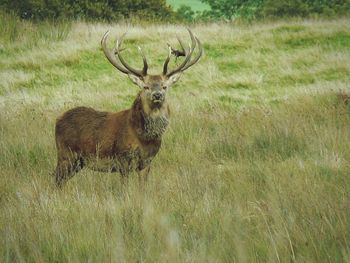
(157, 95)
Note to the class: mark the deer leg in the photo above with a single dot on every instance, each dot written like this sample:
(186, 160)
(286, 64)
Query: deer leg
(63, 172)
(143, 176)
(66, 169)
(124, 179)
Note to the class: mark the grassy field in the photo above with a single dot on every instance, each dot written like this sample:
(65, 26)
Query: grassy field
(196, 5)
(255, 166)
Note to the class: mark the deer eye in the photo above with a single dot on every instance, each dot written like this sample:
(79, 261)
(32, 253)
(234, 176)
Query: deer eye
(146, 87)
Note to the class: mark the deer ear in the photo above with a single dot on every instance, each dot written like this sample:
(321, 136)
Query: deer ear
(173, 79)
(136, 80)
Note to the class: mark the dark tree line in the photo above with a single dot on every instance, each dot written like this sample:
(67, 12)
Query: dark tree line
(158, 10)
(88, 9)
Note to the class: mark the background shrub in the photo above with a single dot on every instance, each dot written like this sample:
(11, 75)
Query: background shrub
(248, 9)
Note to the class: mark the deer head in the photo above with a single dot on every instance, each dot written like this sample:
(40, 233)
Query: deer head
(154, 87)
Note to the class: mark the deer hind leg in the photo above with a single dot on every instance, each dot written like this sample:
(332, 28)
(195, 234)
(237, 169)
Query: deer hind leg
(67, 168)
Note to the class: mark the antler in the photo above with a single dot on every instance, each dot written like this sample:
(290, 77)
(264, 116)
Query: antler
(120, 63)
(187, 62)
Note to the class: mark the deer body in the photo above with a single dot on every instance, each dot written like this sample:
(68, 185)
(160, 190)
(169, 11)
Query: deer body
(111, 142)
(124, 141)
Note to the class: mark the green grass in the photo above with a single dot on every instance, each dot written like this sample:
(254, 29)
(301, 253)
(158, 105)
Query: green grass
(196, 5)
(254, 167)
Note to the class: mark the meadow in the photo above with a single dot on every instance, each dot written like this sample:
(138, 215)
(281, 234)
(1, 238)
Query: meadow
(255, 166)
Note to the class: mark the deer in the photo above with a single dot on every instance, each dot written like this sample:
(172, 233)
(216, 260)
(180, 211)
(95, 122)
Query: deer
(124, 141)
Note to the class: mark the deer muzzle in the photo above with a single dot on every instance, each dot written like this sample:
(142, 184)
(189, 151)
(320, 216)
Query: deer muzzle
(157, 97)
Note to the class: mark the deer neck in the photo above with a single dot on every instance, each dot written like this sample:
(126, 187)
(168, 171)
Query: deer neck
(149, 124)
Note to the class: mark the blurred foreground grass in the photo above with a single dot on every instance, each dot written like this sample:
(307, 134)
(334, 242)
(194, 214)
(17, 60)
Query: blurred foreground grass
(254, 168)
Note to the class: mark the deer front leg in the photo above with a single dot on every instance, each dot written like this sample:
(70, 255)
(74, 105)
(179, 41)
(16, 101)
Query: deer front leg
(143, 176)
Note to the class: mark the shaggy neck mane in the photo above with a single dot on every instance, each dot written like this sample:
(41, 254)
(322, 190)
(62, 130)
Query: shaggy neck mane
(147, 127)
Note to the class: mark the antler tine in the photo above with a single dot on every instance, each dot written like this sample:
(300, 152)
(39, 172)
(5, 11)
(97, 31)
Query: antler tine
(117, 48)
(145, 64)
(111, 58)
(181, 44)
(193, 40)
(128, 67)
(188, 56)
(165, 66)
(194, 61)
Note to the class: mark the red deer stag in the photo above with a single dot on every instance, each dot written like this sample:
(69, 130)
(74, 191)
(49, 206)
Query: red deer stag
(124, 141)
